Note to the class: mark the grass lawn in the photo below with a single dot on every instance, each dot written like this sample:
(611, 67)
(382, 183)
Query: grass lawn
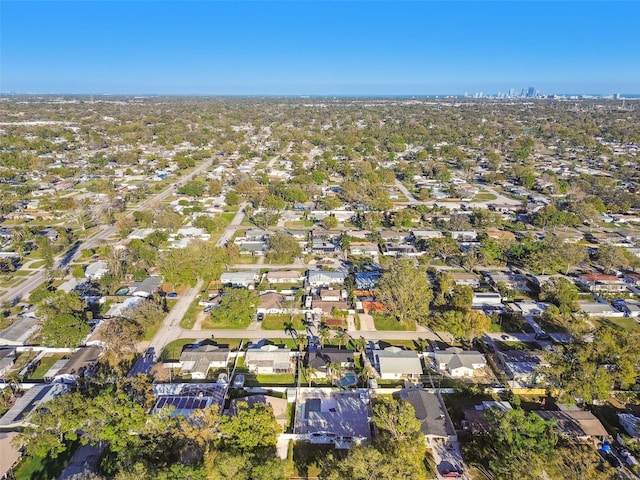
(226, 323)
(511, 324)
(228, 216)
(386, 322)
(43, 468)
(484, 197)
(172, 350)
(45, 364)
(246, 260)
(276, 322)
(190, 316)
(623, 323)
(152, 329)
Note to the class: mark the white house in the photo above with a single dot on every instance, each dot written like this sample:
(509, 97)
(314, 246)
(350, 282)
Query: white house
(284, 276)
(96, 270)
(245, 278)
(268, 360)
(393, 363)
(458, 362)
(325, 278)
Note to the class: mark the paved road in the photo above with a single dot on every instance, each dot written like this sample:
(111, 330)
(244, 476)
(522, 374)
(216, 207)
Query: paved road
(410, 198)
(170, 329)
(96, 239)
(233, 226)
(258, 334)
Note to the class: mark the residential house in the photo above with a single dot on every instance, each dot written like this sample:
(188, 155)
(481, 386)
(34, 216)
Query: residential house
(257, 249)
(339, 418)
(7, 359)
(465, 278)
(17, 417)
(475, 420)
(458, 362)
(278, 405)
(578, 426)
(325, 278)
(145, 288)
(521, 366)
(19, 331)
(365, 249)
(242, 279)
(417, 235)
(631, 424)
(331, 295)
(465, 236)
(96, 270)
(321, 358)
(630, 308)
(435, 423)
(366, 280)
(596, 282)
(510, 280)
(598, 309)
(284, 276)
(274, 303)
(268, 359)
(393, 363)
(323, 247)
(253, 235)
(395, 250)
(197, 359)
(185, 398)
(484, 299)
(81, 364)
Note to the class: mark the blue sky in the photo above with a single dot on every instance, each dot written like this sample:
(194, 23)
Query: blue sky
(319, 48)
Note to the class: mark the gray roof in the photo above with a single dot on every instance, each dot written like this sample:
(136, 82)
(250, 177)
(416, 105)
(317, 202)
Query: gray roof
(19, 331)
(428, 411)
(394, 360)
(81, 359)
(344, 414)
(147, 286)
(456, 358)
(17, 414)
(268, 356)
(212, 353)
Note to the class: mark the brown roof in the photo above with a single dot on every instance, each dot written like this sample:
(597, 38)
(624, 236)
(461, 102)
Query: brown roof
(575, 424)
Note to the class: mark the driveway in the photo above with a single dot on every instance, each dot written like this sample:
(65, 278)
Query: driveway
(366, 323)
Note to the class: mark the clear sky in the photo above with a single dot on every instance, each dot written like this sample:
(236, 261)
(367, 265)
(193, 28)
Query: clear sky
(319, 48)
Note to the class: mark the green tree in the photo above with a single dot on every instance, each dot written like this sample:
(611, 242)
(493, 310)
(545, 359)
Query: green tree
(405, 291)
(237, 305)
(283, 248)
(250, 429)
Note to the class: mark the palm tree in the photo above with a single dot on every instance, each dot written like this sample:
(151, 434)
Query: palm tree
(323, 334)
(334, 370)
(359, 344)
(341, 337)
(309, 373)
(290, 329)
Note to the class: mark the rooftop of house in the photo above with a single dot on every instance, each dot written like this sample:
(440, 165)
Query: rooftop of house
(340, 413)
(428, 410)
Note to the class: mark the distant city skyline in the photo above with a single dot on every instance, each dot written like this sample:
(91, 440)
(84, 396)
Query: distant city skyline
(319, 48)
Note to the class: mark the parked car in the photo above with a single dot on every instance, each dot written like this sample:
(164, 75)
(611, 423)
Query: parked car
(260, 317)
(172, 295)
(223, 379)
